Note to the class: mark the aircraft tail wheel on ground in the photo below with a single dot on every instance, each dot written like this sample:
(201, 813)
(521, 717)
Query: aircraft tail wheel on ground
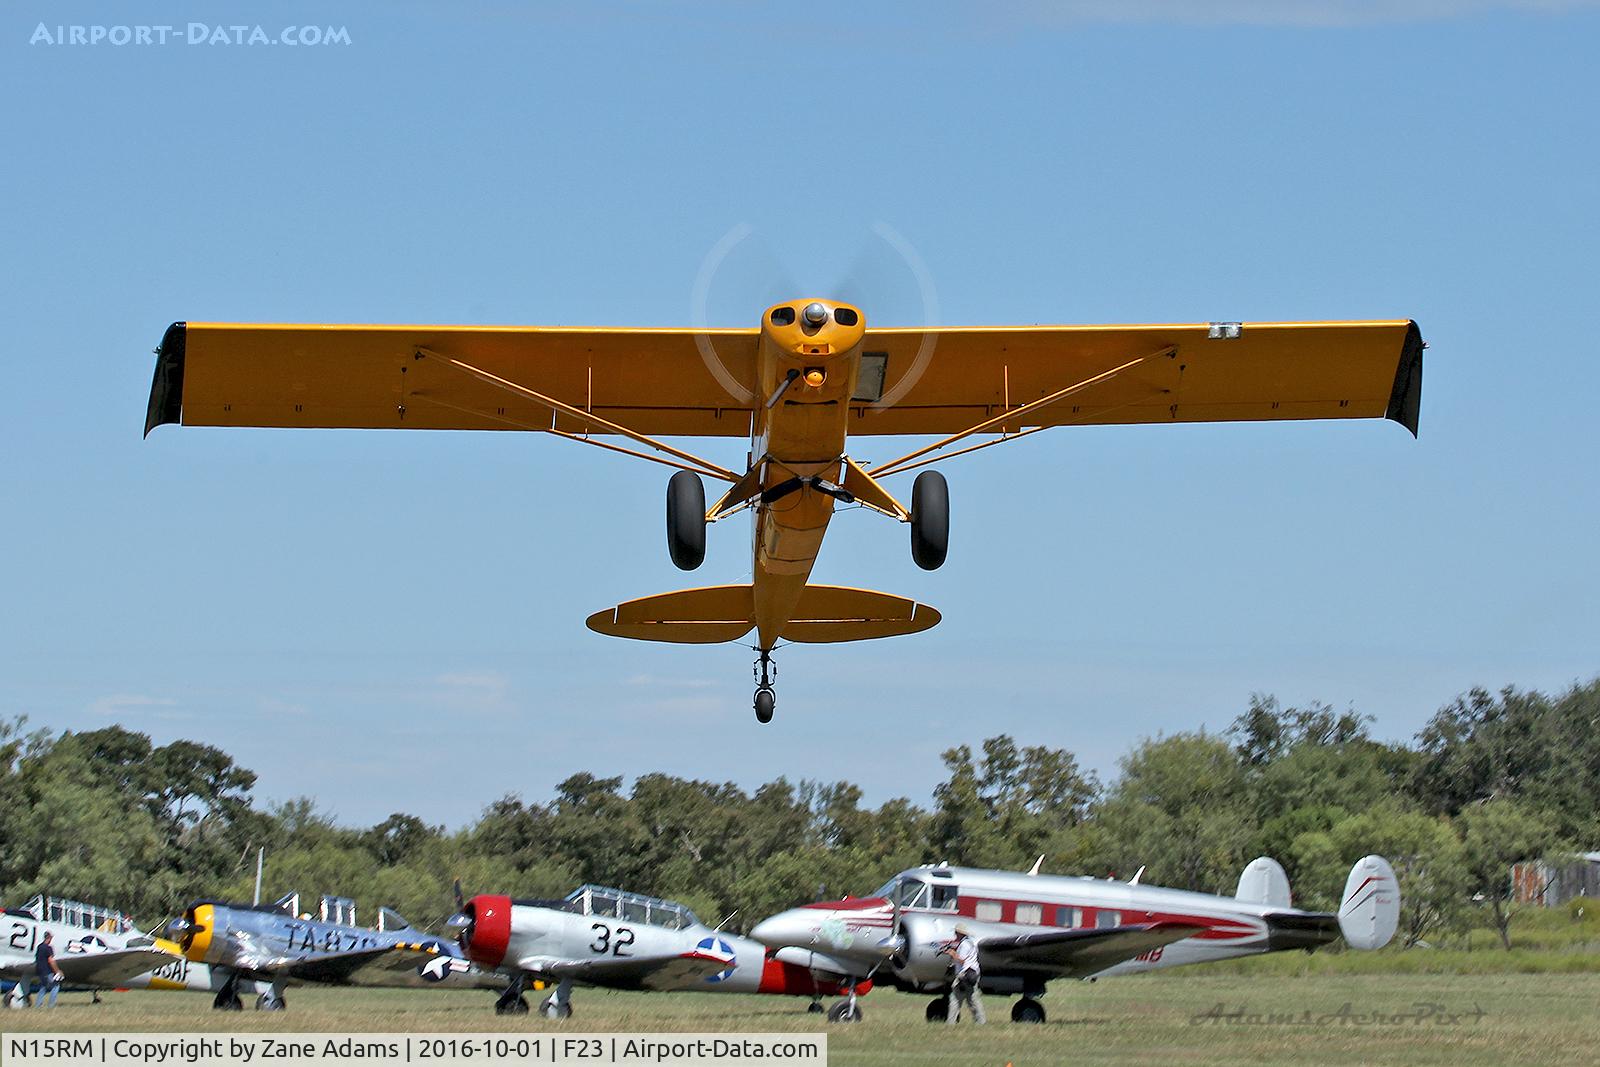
(1027, 1010)
(844, 1012)
(938, 1010)
(930, 520)
(686, 520)
(766, 703)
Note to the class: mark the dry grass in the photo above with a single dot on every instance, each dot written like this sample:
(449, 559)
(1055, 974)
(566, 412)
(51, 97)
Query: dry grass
(1545, 1019)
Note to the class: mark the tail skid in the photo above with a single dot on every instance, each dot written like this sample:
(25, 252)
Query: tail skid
(712, 614)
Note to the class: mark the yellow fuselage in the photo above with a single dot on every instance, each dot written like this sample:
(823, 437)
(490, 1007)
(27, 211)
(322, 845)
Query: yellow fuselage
(800, 436)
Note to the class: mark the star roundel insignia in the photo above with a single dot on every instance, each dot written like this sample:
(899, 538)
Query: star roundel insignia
(721, 948)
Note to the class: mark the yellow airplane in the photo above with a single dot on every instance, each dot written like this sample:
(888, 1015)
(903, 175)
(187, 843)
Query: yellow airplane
(798, 386)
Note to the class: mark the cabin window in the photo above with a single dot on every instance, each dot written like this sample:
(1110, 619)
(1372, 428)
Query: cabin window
(944, 898)
(988, 911)
(1071, 918)
(1105, 919)
(1032, 914)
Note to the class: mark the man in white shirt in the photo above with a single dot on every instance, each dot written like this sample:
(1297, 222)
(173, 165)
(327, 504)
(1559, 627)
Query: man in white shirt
(963, 953)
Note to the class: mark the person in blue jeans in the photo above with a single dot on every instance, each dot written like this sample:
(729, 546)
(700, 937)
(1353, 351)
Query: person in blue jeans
(49, 972)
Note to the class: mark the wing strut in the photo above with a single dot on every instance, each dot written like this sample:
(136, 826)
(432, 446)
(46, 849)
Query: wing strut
(700, 466)
(904, 463)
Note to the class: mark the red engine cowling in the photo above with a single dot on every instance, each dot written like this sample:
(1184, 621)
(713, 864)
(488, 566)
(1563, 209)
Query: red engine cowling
(490, 932)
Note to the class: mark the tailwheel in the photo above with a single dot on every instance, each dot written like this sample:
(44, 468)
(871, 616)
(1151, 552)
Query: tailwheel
(686, 520)
(1027, 1010)
(766, 700)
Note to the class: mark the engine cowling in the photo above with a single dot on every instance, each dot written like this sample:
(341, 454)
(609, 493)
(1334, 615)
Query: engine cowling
(489, 929)
(923, 936)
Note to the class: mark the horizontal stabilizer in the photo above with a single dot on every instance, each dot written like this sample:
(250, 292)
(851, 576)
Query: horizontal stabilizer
(689, 616)
(825, 613)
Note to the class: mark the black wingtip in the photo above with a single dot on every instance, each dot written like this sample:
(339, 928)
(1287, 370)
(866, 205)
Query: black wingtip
(166, 390)
(1405, 399)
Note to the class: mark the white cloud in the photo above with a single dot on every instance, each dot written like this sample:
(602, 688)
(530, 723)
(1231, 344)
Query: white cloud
(119, 705)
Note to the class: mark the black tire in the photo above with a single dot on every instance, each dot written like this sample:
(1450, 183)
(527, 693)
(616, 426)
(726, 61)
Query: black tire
(930, 520)
(229, 1004)
(815, 1008)
(843, 1012)
(938, 1010)
(766, 703)
(556, 1011)
(1027, 1010)
(686, 520)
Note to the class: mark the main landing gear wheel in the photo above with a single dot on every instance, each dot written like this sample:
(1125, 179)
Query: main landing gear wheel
(930, 520)
(766, 700)
(815, 1008)
(268, 1002)
(227, 998)
(938, 1010)
(844, 1012)
(555, 1011)
(1027, 1010)
(686, 520)
(511, 1006)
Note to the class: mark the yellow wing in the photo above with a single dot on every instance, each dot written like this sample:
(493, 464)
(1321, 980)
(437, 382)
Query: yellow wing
(652, 381)
(942, 381)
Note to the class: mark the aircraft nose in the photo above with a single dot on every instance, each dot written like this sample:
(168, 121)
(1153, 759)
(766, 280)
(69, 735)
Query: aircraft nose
(783, 929)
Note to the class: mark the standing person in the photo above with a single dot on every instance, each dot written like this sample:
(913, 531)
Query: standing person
(49, 972)
(963, 953)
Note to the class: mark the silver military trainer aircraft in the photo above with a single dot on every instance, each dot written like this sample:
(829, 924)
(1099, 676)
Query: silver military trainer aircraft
(1032, 928)
(96, 948)
(270, 943)
(610, 938)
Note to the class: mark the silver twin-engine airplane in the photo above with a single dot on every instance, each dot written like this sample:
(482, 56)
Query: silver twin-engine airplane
(618, 940)
(1032, 928)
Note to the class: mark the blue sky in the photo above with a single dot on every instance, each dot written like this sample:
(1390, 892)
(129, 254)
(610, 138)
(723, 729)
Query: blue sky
(395, 621)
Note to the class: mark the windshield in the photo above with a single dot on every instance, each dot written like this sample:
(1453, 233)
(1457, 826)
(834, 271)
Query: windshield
(912, 892)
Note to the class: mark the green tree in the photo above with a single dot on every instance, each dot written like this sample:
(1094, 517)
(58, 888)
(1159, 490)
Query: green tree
(1495, 835)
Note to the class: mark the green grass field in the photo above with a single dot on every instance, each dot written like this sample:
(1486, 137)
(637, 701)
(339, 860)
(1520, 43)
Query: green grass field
(1527, 1018)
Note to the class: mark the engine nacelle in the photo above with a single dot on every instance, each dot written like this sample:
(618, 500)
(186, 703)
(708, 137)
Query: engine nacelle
(920, 960)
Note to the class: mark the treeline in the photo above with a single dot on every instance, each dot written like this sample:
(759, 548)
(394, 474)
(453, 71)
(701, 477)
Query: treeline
(106, 816)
